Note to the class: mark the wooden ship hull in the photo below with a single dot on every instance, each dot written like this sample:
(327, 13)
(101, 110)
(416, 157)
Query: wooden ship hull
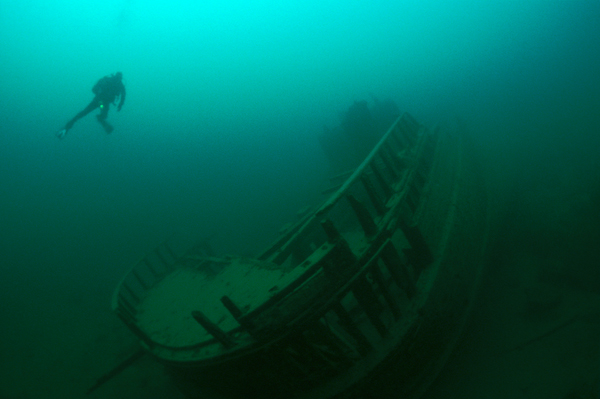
(366, 295)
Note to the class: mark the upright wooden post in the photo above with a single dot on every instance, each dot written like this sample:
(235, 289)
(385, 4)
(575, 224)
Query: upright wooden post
(237, 313)
(212, 329)
(364, 218)
(398, 269)
(372, 193)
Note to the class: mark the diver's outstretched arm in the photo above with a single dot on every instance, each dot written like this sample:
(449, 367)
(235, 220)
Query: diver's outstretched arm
(122, 98)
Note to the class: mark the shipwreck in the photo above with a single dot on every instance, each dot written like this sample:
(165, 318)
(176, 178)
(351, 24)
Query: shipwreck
(365, 295)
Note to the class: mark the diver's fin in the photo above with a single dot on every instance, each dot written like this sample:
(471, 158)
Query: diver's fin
(61, 133)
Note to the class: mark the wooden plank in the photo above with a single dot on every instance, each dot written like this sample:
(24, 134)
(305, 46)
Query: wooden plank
(212, 329)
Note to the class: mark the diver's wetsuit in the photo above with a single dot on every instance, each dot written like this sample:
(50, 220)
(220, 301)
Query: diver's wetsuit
(107, 90)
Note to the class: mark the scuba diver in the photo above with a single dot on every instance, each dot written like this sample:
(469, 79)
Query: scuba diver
(107, 90)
